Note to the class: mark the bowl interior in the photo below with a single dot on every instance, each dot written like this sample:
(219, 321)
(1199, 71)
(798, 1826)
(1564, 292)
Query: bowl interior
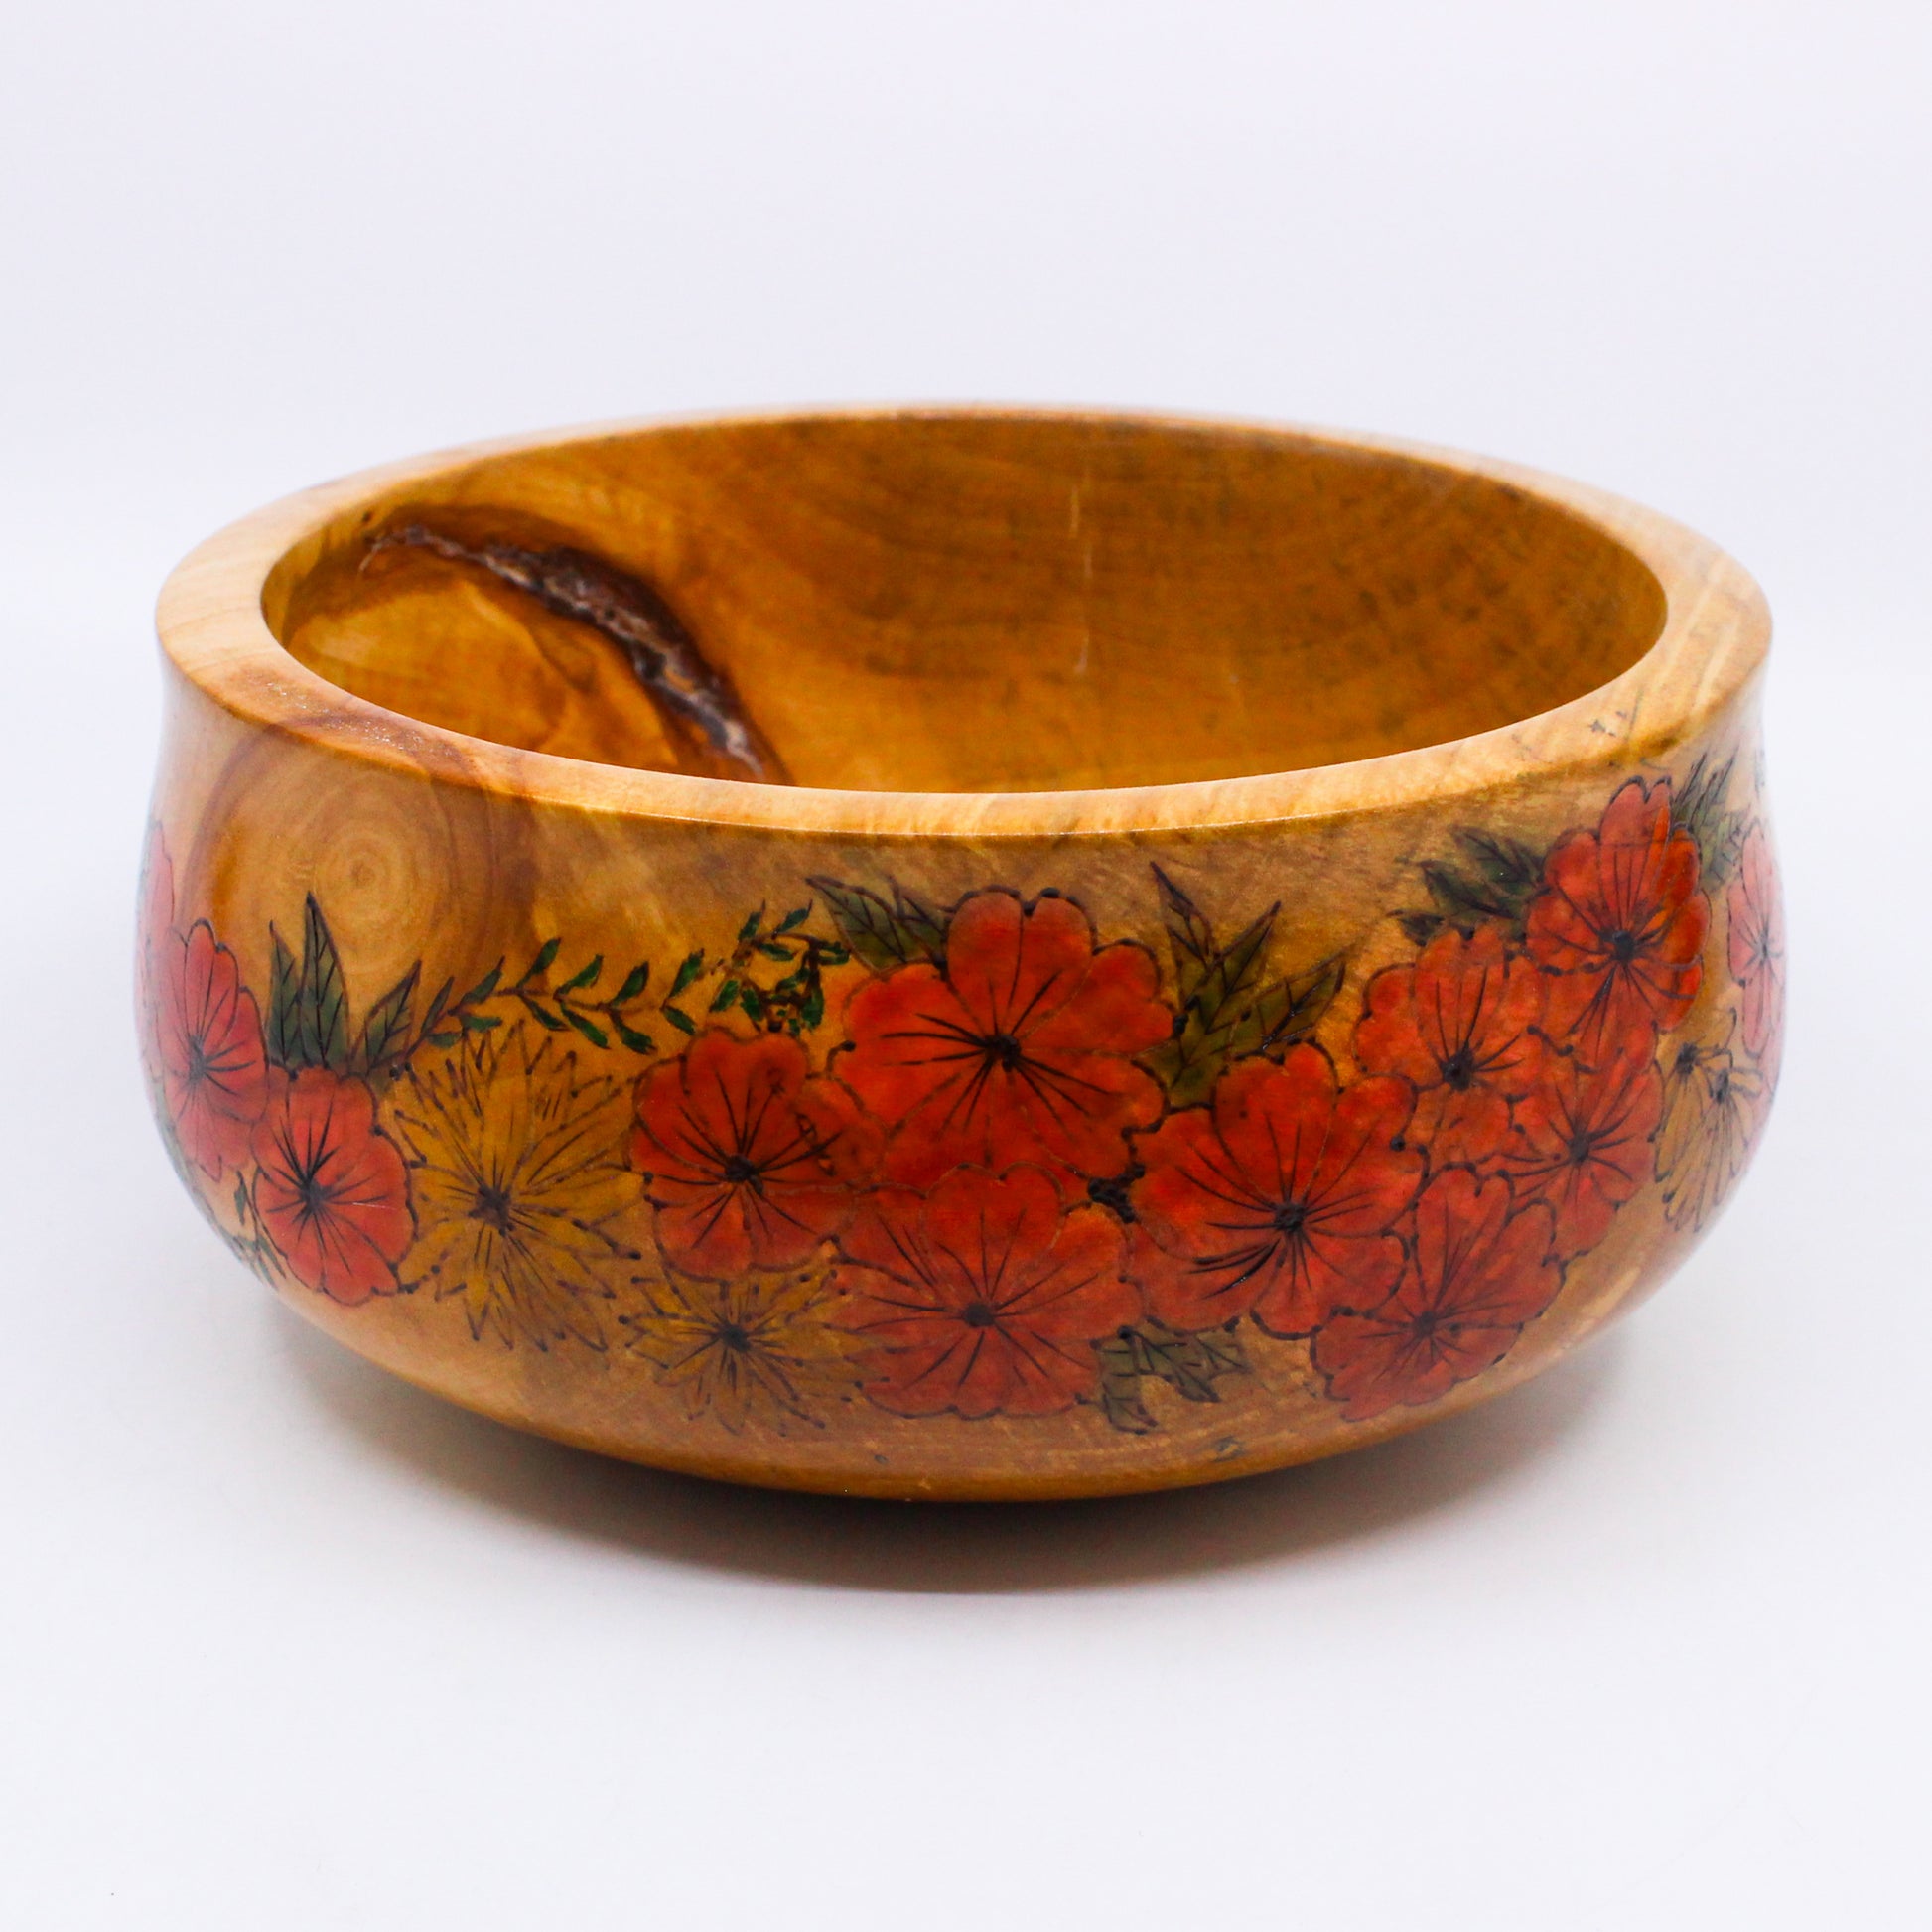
(963, 602)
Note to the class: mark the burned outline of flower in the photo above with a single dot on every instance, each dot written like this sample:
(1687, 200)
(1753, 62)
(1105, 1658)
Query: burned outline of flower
(1020, 1048)
(521, 1186)
(1620, 926)
(984, 1296)
(1279, 1198)
(758, 1349)
(214, 1070)
(1754, 943)
(1713, 1104)
(331, 1193)
(1478, 1269)
(1581, 1140)
(749, 1159)
(1455, 1022)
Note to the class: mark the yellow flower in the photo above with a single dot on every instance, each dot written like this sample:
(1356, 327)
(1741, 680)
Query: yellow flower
(1711, 1105)
(755, 1349)
(520, 1183)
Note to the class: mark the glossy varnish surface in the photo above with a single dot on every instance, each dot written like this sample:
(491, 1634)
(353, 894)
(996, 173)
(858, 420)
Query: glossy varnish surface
(1267, 940)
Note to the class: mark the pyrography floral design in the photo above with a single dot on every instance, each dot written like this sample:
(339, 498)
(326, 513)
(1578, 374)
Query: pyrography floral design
(755, 1350)
(1713, 1098)
(1756, 943)
(209, 1044)
(520, 1186)
(1460, 1025)
(1017, 1044)
(329, 1194)
(1279, 1199)
(985, 1296)
(1620, 924)
(979, 1160)
(1479, 1265)
(751, 1161)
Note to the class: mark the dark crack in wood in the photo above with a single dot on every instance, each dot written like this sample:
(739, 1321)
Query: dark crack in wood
(700, 709)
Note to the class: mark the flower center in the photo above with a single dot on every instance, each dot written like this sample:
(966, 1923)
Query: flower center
(1460, 1070)
(734, 1337)
(1004, 1048)
(198, 1063)
(1291, 1217)
(738, 1169)
(493, 1205)
(1583, 1145)
(978, 1315)
(1623, 945)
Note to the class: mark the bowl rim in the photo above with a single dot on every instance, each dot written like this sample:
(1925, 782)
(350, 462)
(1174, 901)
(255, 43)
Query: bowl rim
(1714, 640)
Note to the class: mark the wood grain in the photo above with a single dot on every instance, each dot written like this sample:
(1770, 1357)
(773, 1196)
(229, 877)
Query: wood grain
(1233, 723)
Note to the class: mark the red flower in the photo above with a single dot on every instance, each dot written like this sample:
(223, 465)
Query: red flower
(1756, 918)
(209, 1044)
(154, 927)
(1020, 1050)
(750, 1161)
(1457, 1026)
(1582, 1140)
(1279, 1198)
(332, 1193)
(1619, 923)
(1477, 1274)
(983, 1297)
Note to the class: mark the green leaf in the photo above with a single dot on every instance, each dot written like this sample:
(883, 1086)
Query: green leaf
(449, 1039)
(480, 1023)
(437, 1005)
(681, 1020)
(1699, 810)
(1190, 1365)
(1120, 1392)
(1466, 898)
(794, 919)
(1289, 1010)
(927, 929)
(483, 988)
(635, 983)
(542, 963)
(774, 952)
(284, 994)
(322, 1001)
(1494, 878)
(541, 1015)
(1419, 928)
(631, 1038)
(589, 1028)
(387, 1024)
(1189, 936)
(752, 1003)
(750, 929)
(1215, 1020)
(882, 936)
(692, 967)
(588, 977)
(1510, 865)
(812, 1012)
(727, 994)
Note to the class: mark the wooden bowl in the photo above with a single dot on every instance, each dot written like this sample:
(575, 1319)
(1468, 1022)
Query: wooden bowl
(960, 953)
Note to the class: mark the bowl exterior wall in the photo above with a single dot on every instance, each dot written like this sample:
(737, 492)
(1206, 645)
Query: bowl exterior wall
(947, 1165)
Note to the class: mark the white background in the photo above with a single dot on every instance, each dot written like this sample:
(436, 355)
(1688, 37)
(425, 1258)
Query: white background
(286, 1645)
